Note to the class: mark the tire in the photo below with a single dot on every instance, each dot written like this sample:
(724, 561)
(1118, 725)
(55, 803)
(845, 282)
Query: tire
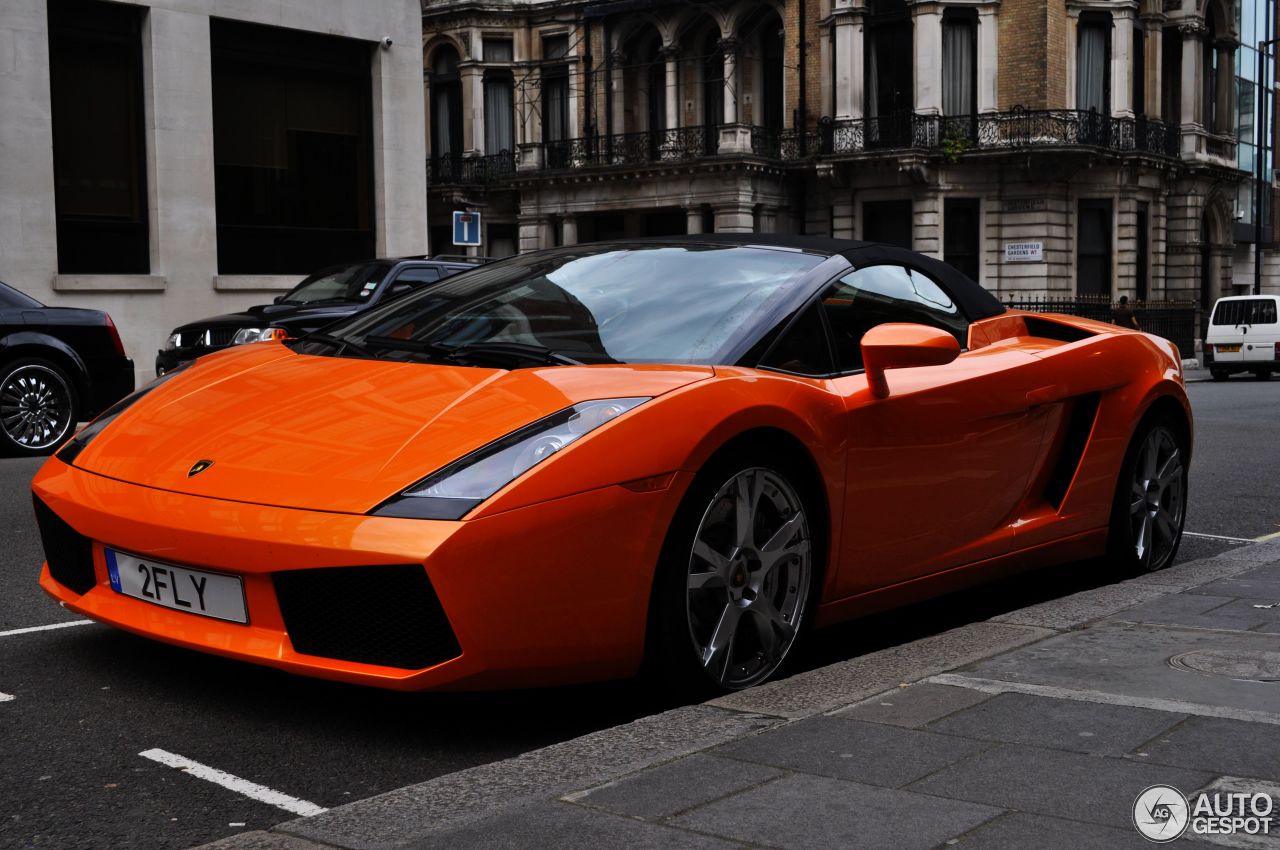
(1219, 374)
(1262, 375)
(38, 407)
(1150, 505)
(727, 611)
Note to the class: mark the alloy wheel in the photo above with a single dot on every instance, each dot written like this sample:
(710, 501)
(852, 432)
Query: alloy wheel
(1157, 503)
(748, 578)
(35, 407)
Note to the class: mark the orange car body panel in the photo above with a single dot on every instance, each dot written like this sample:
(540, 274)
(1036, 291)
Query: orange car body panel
(939, 485)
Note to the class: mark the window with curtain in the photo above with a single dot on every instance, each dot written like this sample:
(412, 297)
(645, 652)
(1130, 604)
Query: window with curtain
(555, 106)
(446, 104)
(1093, 63)
(498, 50)
(499, 111)
(959, 62)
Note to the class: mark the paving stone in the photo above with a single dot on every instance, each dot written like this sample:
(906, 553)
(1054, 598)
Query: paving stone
(1221, 746)
(850, 749)
(673, 787)
(1050, 782)
(1239, 588)
(1018, 831)
(1195, 610)
(1247, 610)
(1270, 572)
(1131, 662)
(1085, 727)
(259, 840)
(913, 706)
(813, 813)
(568, 827)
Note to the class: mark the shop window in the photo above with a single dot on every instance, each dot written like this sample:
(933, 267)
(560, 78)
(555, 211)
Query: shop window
(99, 147)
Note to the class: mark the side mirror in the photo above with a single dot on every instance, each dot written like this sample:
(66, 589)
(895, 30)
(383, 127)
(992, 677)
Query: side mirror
(900, 345)
(277, 299)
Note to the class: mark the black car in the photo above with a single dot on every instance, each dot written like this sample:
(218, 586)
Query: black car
(58, 365)
(328, 295)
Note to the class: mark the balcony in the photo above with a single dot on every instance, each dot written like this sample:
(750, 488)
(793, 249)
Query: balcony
(458, 170)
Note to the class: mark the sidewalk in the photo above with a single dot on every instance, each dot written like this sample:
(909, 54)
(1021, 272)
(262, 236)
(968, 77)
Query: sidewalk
(1038, 728)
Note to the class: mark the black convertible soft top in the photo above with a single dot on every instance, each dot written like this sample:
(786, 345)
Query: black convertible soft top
(975, 301)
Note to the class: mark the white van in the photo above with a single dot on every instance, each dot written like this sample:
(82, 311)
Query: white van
(1244, 336)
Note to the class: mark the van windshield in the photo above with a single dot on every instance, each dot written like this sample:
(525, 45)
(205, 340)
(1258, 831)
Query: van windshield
(1247, 311)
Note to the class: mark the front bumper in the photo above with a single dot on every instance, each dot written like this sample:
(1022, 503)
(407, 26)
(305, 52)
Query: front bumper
(552, 593)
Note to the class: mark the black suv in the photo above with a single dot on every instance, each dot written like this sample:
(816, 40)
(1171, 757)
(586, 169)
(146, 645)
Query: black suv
(328, 295)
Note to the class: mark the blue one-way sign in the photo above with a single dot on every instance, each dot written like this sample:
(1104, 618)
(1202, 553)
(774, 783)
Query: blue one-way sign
(466, 228)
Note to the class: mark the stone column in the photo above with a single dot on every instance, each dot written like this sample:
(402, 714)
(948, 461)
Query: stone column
(848, 64)
(928, 48)
(1225, 103)
(730, 49)
(618, 91)
(1153, 52)
(569, 230)
(693, 220)
(1192, 36)
(671, 59)
(735, 218)
(1121, 62)
(988, 59)
(472, 109)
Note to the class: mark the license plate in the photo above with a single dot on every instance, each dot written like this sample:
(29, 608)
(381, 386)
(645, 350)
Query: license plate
(1228, 349)
(180, 588)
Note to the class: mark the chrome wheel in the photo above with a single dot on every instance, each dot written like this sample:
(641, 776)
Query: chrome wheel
(35, 407)
(1157, 498)
(748, 578)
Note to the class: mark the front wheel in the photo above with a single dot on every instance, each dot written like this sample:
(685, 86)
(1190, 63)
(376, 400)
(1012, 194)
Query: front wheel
(1219, 374)
(38, 407)
(735, 584)
(1150, 506)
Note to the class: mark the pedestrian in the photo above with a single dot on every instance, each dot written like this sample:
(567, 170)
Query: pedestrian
(1124, 315)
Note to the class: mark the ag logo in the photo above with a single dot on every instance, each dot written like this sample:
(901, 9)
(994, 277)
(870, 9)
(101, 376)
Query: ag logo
(1161, 813)
(199, 467)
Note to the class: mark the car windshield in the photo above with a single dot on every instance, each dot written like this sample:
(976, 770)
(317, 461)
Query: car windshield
(612, 303)
(352, 284)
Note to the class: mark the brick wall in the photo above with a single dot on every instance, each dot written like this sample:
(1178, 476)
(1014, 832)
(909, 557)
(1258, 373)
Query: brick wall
(1032, 47)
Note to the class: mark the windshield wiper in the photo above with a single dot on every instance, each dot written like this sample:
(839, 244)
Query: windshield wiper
(337, 342)
(522, 350)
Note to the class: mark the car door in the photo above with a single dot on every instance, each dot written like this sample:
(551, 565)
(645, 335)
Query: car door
(936, 470)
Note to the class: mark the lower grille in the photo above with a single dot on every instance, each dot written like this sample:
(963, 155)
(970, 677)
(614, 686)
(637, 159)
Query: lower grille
(388, 615)
(69, 553)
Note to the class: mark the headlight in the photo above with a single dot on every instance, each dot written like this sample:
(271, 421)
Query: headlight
(245, 335)
(460, 486)
(72, 448)
(174, 341)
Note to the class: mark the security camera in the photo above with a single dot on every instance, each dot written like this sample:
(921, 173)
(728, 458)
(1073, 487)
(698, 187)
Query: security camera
(386, 42)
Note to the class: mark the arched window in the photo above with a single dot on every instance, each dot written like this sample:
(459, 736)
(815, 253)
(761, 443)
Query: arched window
(446, 104)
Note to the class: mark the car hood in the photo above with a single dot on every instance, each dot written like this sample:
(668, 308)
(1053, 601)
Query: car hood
(278, 315)
(337, 434)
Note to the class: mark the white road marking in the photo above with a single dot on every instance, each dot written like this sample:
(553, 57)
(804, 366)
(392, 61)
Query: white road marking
(1264, 538)
(30, 629)
(7, 697)
(1220, 537)
(252, 790)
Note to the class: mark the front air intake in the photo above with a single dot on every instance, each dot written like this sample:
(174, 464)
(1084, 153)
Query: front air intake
(388, 616)
(69, 553)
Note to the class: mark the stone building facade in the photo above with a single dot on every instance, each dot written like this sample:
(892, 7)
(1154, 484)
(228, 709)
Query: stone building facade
(166, 160)
(1046, 147)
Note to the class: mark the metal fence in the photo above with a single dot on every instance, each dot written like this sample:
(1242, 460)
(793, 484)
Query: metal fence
(1173, 320)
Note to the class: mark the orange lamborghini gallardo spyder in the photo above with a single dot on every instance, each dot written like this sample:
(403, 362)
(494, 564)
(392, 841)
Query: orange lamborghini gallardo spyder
(683, 452)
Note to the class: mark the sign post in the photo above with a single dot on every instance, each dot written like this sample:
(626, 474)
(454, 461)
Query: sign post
(466, 229)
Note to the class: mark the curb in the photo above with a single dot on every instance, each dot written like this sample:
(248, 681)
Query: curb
(415, 814)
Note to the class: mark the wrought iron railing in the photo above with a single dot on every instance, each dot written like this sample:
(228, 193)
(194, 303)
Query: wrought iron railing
(455, 169)
(1173, 320)
(643, 148)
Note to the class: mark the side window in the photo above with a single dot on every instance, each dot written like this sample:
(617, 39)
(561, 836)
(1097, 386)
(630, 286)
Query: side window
(422, 274)
(874, 295)
(803, 349)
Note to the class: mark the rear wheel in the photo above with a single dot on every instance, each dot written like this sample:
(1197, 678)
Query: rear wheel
(1262, 374)
(38, 407)
(1219, 374)
(1150, 506)
(735, 585)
